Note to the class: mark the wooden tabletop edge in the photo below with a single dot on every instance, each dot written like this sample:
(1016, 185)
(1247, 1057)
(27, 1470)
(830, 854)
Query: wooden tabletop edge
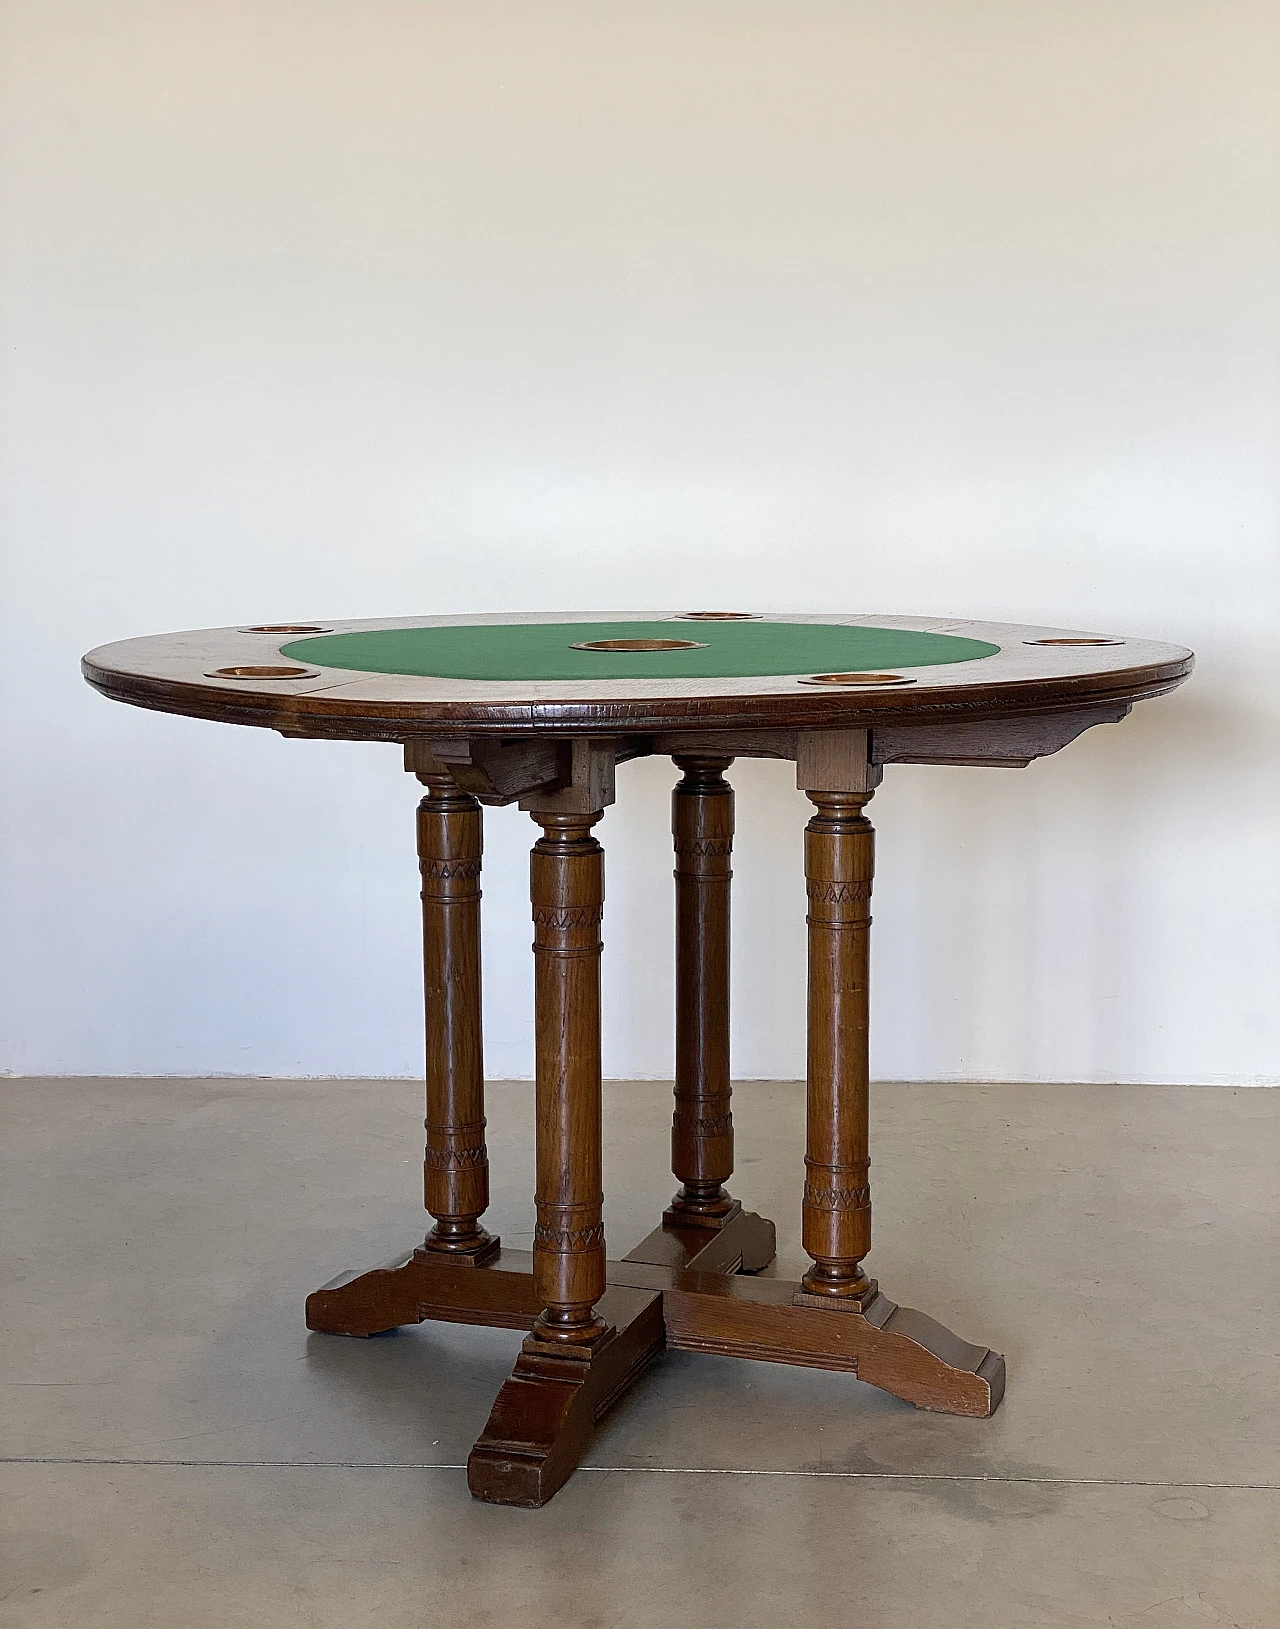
(323, 715)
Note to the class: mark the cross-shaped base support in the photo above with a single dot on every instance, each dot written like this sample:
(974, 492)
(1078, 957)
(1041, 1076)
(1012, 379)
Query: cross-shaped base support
(684, 1287)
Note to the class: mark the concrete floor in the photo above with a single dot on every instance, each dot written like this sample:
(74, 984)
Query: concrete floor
(176, 1450)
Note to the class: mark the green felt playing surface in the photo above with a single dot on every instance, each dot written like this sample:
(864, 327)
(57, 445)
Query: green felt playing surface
(544, 650)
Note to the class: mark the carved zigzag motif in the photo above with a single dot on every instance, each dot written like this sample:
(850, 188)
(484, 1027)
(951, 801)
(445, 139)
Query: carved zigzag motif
(839, 893)
(701, 847)
(568, 1241)
(836, 1198)
(443, 870)
(717, 1125)
(561, 917)
(456, 1159)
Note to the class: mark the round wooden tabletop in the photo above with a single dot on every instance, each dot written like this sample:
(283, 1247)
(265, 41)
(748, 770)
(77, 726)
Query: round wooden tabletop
(401, 678)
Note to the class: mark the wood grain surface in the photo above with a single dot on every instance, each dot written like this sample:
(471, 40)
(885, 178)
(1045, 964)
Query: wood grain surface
(170, 673)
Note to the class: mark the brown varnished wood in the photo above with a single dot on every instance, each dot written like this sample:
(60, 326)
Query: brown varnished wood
(545, 1415)
(1006, 743)
(592, 1327)
(743, 1243)
(567, 889)
(839, 858)
(496, 772)
(325, 716)
(575, 1361)
(168, 673)
(591, 783)
(706, 1306)
(728, 744)
(1012, 742)
(424, 1286)
(702, 1126)
(893, 1348)
(836, 761)
(456, 1162)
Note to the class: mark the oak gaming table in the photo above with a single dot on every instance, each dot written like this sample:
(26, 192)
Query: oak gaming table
(540, 710)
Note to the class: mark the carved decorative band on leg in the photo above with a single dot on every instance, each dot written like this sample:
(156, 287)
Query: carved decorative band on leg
(568, 1241)
(703, 848)
(837, 1200)
(455, 1165)
(456, 1178)
(450, 871)
(702, 1126)
(839, 893)
(719, 1125)
(464, 1158)
(552, 919)
(837, 1188)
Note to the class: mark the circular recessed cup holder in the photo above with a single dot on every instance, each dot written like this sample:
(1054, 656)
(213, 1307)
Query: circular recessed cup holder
(623, 645)
(718, 616)
(256, 672)
(856, 678)
(1074, 641)
(288, 627)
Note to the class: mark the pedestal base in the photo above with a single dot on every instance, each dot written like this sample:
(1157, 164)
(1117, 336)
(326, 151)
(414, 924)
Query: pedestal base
(683, 1287)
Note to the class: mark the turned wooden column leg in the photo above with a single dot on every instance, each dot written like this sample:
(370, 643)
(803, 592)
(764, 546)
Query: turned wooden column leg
(456, 1167)
(702, 1127)
(839, 860)
(567, 890)
(574, 1363)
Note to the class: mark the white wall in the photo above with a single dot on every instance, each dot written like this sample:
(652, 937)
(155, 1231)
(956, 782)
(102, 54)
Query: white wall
(316, 308)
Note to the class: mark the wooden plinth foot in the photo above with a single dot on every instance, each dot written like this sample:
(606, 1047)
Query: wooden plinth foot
(476, 1252)
(367, 1303)
(744, 1244)
(425, 1285)
(544, 1417)
(896, 1349)
(716, 1214)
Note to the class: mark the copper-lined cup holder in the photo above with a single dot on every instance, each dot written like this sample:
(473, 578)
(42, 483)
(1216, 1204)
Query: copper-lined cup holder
(639, 644)
(718, 616)
(1073, 641)
(856, 678)
(287, 627)
(263, 673)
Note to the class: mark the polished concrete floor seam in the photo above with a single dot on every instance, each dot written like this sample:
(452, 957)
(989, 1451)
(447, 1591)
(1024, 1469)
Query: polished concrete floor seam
(654, 1470)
